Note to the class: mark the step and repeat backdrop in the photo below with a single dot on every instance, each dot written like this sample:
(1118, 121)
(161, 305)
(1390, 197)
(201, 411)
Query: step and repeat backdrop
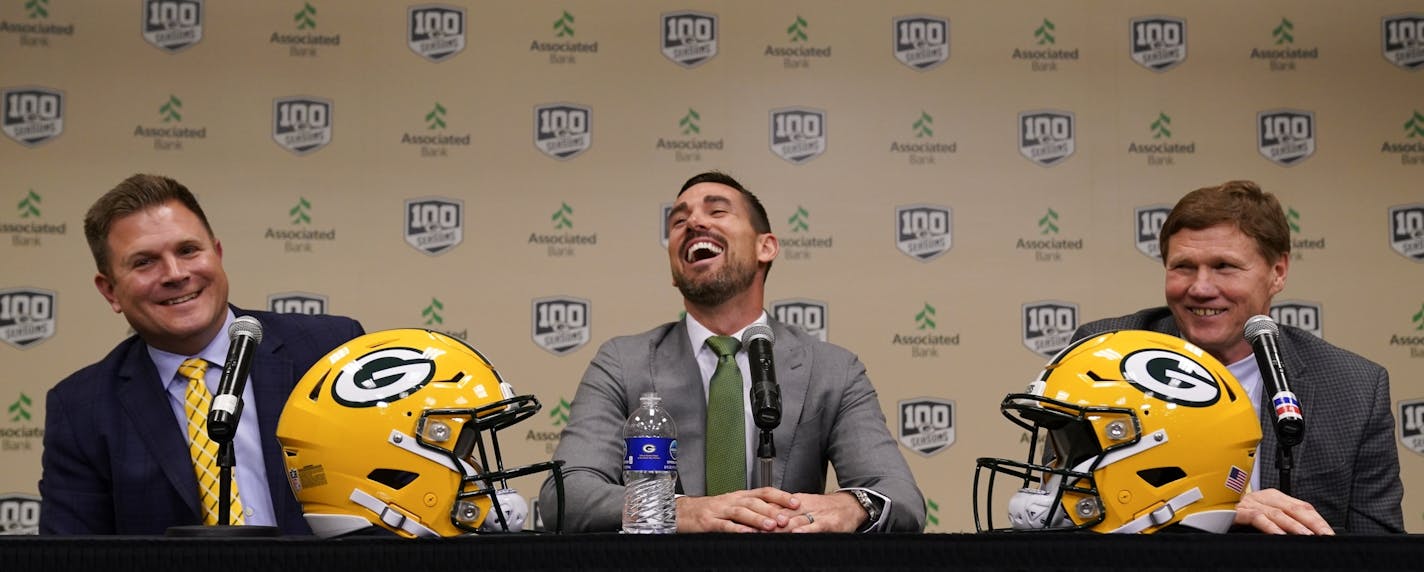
(956, 185)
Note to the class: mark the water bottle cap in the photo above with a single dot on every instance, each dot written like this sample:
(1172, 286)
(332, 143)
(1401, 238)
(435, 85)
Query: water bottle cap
(649, 399)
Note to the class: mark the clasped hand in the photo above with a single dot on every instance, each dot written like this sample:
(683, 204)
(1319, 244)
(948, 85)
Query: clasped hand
(769, 509)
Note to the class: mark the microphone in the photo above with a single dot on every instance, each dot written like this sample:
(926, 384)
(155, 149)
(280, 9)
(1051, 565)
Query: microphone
(244, 334)
(766, 395)
(1262, 332)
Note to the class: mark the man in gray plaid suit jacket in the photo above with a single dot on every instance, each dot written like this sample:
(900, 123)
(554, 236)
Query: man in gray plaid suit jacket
(1226, 250)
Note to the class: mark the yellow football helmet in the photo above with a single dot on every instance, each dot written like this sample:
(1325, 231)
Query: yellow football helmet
(390, 430)
(1145, 431)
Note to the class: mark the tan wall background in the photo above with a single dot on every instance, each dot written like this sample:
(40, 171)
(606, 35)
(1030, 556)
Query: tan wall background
(840, 206)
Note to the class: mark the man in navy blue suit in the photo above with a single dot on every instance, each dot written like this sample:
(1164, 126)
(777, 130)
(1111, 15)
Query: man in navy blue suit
(116, 454)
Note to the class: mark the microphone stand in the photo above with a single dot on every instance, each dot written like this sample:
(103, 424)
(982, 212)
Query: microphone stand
(227, 459)
(766, 453)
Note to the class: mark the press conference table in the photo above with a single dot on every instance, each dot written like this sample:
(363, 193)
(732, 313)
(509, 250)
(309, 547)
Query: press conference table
(719, 552)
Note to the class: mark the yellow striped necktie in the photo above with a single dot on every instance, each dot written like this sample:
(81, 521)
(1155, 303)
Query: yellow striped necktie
(203, 449)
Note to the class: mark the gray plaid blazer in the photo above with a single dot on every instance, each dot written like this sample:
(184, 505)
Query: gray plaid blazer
(1347, 466)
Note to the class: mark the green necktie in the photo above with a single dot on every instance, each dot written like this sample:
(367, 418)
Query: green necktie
(726, 424)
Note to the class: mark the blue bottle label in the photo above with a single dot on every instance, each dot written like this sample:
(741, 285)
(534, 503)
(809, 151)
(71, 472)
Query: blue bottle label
(651, 454)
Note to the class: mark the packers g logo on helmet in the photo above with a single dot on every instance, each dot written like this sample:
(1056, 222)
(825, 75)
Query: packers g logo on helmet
(399, 430)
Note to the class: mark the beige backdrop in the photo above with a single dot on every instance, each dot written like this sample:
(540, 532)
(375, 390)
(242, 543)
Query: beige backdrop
(1005, 233)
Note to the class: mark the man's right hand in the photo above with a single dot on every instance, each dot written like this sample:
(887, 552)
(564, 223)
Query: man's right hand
(1274, 512)
(757, 510)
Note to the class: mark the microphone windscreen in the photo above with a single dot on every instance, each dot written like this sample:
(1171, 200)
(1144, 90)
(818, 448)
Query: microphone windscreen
(1260, 324)
(756, 331)
(246, 326)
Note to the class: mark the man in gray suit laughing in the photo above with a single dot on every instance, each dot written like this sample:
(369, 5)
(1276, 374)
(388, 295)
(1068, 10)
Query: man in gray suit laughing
(720, 248)
(1227, 251)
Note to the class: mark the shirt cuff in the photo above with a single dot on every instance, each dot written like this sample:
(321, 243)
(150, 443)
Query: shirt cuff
(875, 497)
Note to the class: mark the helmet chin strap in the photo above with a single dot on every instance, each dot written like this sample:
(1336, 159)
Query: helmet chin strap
(391, 515)
(1161, 515)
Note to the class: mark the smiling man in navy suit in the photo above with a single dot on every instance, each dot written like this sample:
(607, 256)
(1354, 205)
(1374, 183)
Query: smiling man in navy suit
(116, 453)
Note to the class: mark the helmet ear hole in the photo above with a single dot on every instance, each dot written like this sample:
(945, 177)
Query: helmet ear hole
(393, 478)
(1162, 476)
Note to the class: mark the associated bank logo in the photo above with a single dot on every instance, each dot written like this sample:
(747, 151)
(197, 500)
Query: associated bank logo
(30, 231)
(563, 241)
(1413, 338)
(924, 232)
(1161, 151)
(37, 32)
(301, 124)
(926, 424)
(305, 41)
(1406, 231)
(690, 146)
(1403, 39)
(1299, 242)
(925, 340)
(800, 243)
(20, 409)
(435, 31)
(689, 38)
(563, 130)
(1300, 314)
(299, 239)
(921, 42)
(561, 324)
(1046, 136)
(26, 316)
(565, 50)
(798, 134)
(1411, 425)
(1044, 56)
(437, 144)
(32, 115)
(1285, 136)
(1048, 245)
(1048, 326)
(1411, 148)
(1147, 225)
(797, 52)
(30, 205)
(924, 149)
(434, 225)
(1158, 43)
(19, 514)
(809, 315)
(173, 25)
(170, 137)
(1283, 54)
(297, 303)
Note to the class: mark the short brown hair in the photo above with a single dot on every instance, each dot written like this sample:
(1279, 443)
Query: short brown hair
(134, 194)
(1241, 203)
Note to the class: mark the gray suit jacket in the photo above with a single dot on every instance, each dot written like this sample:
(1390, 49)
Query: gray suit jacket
(1347, 466)
(830, 413)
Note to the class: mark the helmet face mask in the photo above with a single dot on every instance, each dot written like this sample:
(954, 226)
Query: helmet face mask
(400, 430)
(1143, 432)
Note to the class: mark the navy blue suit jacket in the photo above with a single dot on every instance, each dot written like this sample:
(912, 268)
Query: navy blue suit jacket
(116, 462)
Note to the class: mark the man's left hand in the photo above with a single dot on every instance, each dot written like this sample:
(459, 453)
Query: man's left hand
(835, 512)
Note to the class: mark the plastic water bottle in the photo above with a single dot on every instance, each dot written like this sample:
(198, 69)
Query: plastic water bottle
(649, 469)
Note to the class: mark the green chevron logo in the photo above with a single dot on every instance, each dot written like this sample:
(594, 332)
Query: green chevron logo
(796, 32)
(37, 9)
(299, 212)
(431, 313)
(1049, 223)
(436, 117)
(1044, 33)
(171, 109)
(30, 205)
(688, 123)
(1282, 33)
(1293, 219)
(798, 219)
(561, 217)
(1415, 126)
(304, 17)
(1419, 318)
(564, 26)
(1162, 127)
(931, 511)
(922, 126)
(925, 319)
(20, 409)
(560, 413)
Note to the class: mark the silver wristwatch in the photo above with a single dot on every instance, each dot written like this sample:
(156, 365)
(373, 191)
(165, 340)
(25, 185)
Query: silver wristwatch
(871, 507)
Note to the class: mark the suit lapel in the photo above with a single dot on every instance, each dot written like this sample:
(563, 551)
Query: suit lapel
(144, 401)
(794, 378)
(674, 375)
